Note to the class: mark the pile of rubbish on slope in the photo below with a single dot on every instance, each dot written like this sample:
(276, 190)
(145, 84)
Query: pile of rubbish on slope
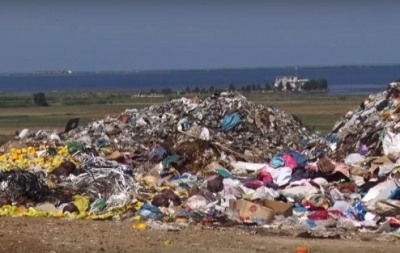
(220, 161)
(371, 129)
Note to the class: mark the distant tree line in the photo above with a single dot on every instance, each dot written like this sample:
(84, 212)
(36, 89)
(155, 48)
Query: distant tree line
(320, 84)
(213, 89)
(40, 99)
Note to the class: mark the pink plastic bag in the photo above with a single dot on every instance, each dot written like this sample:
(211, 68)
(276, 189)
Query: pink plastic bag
(289, 161)
(265, 177)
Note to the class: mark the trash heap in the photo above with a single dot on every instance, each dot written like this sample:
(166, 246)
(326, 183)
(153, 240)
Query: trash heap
(371, 128)
(252, 131)
(219, 161)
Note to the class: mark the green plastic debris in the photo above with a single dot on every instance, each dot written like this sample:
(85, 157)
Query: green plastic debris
(224, 173)
(170, 159)
(98, 205)
(74, 147)
(51, 151)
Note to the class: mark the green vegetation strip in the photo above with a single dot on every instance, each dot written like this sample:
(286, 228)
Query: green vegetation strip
(17, 111)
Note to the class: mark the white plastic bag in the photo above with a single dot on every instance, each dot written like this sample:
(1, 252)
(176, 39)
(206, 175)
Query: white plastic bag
(197, 203)
(299, 192)
(231, 187)
(379, 192)
(264, 193)
(282, 176)
(248, 166)
(205, 134)
(354, 159)
(391, 144)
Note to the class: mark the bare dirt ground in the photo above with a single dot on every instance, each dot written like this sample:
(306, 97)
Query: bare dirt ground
(58, 236)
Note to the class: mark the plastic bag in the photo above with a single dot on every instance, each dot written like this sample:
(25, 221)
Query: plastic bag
(354, 159)
(391, 144)
(82, 203)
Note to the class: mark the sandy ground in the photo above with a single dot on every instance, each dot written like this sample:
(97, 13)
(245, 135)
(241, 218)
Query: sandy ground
(57, 236)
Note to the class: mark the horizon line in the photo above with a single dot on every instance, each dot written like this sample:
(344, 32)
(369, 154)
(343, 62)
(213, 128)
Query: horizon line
(205, 69)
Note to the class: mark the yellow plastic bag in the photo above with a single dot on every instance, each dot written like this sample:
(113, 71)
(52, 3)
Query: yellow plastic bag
(8, 210)
(75, 216)
(82, 203)
(31, 212)
(140, 226)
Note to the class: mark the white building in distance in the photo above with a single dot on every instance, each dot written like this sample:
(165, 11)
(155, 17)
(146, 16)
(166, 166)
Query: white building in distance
(294, 82)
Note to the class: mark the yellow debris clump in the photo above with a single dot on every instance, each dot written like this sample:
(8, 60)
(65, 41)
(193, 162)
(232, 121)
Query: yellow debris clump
(31, 157)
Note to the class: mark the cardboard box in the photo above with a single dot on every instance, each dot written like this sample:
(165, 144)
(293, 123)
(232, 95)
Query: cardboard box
(249, 212)
(381, 161)
(115, 155)
(279, 207)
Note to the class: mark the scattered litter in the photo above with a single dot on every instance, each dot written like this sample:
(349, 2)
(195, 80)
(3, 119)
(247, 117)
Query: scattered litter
(219, 161)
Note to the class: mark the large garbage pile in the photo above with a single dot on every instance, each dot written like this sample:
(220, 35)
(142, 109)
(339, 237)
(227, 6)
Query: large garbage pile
(221, 160)
(370, 128)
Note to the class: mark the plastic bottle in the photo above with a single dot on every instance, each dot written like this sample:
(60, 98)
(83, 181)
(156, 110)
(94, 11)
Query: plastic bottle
(302, 249)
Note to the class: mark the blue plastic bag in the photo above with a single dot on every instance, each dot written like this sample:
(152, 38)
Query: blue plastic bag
(230, 121)
(150, 212)
(277, 162)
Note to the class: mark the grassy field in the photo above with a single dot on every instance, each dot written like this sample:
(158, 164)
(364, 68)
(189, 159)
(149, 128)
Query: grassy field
(17, 111)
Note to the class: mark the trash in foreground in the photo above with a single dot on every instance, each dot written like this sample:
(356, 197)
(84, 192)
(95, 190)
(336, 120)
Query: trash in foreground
(219, 161)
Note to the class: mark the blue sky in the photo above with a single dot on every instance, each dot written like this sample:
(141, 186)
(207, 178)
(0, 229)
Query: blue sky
(126, 35)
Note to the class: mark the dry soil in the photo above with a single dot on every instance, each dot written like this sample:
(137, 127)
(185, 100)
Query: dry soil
(57, 236)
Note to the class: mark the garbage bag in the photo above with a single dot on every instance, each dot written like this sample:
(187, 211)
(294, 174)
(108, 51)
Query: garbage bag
(395, 194)
(197, 202)
(157, 153)
(231, 188)
(325, 165)
(98, 205)
(224, 173)
(82, 203)
(354, 159)
(263, 193)
(283, 176)
(230, 121)
(151, 212)
(164, 199)
(300, 159)
(65, 169)
(289, 161)
(277, 162)
(299, 192)
(391, 144)
(205, 134)
(170, 159)
(74, 147)
(69, 208)
(17, 184)
(239, 166)
(379, 192)
(216, 184)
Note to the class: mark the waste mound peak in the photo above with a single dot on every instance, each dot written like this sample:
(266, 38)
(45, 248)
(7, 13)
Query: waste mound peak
(371, 129)
(254, 131)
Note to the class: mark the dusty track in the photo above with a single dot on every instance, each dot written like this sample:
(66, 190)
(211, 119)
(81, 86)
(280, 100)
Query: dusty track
(58, 236)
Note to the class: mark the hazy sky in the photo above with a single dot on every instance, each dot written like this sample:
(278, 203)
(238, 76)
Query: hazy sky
(124, 35)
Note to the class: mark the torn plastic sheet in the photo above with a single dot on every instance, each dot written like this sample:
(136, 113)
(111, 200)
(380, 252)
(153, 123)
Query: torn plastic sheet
(113, 184)
(23, 184)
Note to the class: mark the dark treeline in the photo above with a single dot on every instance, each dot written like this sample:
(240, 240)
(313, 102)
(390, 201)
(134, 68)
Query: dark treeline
(321, 84)
(311, 85)
(212, 89)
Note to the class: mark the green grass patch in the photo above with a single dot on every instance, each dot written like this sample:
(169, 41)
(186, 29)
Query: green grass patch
(317, 111)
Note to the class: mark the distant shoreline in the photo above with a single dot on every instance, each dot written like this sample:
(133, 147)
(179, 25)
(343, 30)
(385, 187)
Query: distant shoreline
(163, 71)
